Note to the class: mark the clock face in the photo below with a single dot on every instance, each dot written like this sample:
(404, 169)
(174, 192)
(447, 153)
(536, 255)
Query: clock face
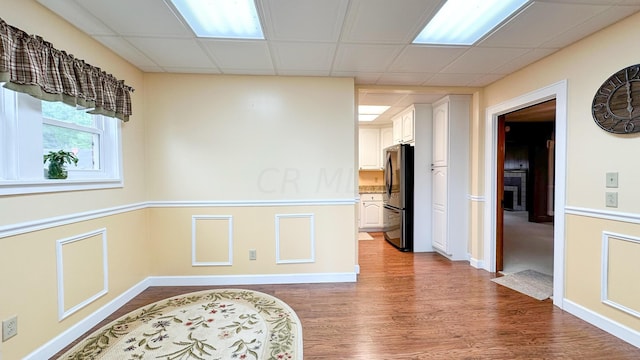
(616, 105)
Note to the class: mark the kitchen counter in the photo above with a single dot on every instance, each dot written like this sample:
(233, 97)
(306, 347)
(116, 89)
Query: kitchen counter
(371, 189)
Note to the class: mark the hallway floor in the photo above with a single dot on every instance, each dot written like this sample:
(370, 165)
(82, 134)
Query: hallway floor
(527, 245)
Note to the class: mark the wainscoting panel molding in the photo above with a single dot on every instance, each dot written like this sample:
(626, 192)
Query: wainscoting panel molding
(295, 238)
(211, 239)
(626, 250)
(47, 223)
(80, 272)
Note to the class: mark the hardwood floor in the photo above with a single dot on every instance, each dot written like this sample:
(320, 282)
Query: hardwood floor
(423, 306)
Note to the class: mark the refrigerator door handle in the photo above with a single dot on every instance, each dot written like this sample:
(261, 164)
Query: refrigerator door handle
(389, 176)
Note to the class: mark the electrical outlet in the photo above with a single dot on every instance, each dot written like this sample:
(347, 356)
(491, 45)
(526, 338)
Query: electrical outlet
(9, 328)
(253, 254)
(612, 199)
(612, 179)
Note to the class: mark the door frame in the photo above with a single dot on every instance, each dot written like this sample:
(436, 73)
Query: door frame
(556, 91)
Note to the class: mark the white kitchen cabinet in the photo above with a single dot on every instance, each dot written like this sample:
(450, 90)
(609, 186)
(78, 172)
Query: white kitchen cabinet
(386, 137)
(369, 149)
(408, 118)
(403, 126)
(439, 209)
(440, 134)
(450, 176)
(371, 212)
(397, 129)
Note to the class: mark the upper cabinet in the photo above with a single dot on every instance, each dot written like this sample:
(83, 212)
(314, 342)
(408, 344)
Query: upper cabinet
(369, 149)
(403, 126)
(440, 134)
(386, 137)
(372, 141)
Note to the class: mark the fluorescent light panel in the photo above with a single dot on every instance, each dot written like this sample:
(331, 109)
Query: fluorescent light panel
(463, 22)
(235, 19)
(370, 112)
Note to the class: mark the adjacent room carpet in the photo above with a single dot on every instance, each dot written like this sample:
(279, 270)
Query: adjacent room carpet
(364, 236)
(528, 282)
(210, 324)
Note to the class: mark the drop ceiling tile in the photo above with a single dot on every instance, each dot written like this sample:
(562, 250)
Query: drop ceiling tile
(452, 79)
(178, 53)
(418, 58)
(365, 58)
(482, 60)
(138, 18)
(247, 72)
(486, 80)
(384, 21)
(303, 72)
(126, 50)
(360, 77)
(234, 55)
(191, 70)
(539, 23)
(402, 78)
(303, 56)
(601, 20)
(304, 20)
(522, 61)
(77, 16)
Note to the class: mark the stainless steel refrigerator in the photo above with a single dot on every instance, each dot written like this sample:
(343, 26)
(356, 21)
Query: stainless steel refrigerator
(398, 196)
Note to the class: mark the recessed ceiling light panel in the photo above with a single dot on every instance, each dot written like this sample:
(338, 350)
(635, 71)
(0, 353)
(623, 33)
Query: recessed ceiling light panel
(370, 112)
(235, 19)
(463, 22)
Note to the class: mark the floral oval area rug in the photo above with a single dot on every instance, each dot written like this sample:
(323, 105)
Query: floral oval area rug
(211, 324)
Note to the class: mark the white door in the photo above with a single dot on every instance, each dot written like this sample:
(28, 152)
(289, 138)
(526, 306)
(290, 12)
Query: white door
(439, 209)
(440, 134)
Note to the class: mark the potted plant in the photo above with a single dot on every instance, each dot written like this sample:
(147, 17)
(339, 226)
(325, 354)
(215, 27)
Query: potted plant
(57, 160)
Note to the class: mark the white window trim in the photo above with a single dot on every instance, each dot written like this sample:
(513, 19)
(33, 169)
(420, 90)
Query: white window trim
(15, 147)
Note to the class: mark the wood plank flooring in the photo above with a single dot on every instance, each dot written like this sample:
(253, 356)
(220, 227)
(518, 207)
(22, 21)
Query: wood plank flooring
(423, 306)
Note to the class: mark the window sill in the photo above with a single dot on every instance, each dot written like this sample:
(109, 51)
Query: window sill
(50, 186)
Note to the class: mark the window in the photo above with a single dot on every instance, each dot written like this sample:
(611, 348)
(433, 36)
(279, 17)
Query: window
(30, 128)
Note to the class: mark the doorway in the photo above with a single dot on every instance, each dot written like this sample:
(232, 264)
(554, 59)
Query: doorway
(525, 174)
(557, 91)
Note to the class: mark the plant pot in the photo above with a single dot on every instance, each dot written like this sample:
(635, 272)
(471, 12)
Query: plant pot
(56, 171)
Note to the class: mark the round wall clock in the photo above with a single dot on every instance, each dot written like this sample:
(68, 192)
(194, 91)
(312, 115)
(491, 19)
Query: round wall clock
(616, 105)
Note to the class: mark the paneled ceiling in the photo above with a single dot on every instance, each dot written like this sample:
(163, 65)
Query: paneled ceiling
(369, 40)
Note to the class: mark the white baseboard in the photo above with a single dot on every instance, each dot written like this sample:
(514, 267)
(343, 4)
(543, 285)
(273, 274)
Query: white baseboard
(58, 343)
(478, 264)
(217, 280)
(612, 327)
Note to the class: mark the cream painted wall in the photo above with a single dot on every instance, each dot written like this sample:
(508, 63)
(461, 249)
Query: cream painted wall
(254, 227)
(29, 276)
(32, 18)
(249, 137)
(591, 152)
(28, 284)
(213, 138)
(233, 139)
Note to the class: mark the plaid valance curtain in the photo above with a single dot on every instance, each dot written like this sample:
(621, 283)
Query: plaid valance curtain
(29, 64)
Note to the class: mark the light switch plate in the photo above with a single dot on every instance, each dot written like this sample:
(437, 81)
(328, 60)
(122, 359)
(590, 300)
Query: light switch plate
(612, 199)
(612, 179)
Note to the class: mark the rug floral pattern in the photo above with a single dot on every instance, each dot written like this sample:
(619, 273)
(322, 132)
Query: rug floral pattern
(211, 324)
